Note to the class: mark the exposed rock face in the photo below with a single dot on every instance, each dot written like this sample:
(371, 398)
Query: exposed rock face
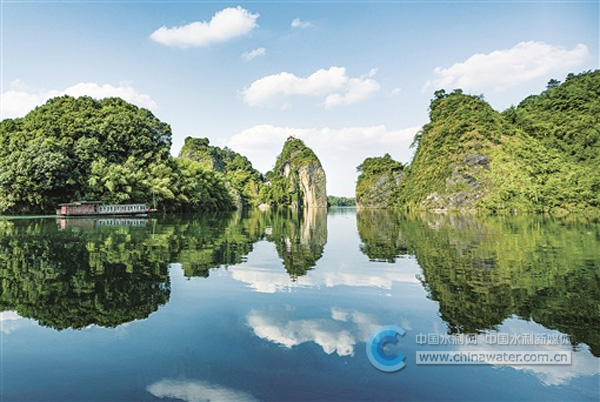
(312, 185)
(379, 183)
(463, 188)
(298, 179)
(382, 191)
(541, 156)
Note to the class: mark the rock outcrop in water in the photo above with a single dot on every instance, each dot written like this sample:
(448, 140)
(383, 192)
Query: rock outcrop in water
(297, 180)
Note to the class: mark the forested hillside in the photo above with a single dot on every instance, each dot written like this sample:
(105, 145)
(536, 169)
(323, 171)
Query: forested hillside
(541, 156)
(109, 150)
(236, 170)
(380, 182)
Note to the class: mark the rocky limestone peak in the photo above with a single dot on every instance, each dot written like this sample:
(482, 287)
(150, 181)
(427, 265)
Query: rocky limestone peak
(299, 178)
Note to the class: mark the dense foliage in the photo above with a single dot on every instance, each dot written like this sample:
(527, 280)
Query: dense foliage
(565, 117)
(72, 149)
(541, 156)
(235, 169)
(111, 271)
(77, 277)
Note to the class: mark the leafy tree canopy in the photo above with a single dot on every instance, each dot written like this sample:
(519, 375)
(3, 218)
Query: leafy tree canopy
(109, 150)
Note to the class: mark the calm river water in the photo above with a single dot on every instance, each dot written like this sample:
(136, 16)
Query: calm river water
(278, 306)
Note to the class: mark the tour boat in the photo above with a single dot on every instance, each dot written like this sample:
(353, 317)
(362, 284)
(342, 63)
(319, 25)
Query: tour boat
(97, 208)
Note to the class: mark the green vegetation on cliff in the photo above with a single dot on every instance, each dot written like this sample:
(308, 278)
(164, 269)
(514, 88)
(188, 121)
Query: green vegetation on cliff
(564, 117)
(109, 150)
(235, 169)
(541, 156)
(297, 179)
(380, 182)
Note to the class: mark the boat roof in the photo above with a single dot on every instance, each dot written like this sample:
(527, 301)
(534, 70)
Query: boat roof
(80, 203)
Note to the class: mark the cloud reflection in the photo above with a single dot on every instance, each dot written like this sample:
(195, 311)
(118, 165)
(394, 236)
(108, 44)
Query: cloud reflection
(196, 391)
(269, 280)
(338, 334)
(10, 321)
(583, 363)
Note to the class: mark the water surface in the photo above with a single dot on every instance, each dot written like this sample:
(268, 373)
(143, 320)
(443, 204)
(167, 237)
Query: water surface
(278, 306)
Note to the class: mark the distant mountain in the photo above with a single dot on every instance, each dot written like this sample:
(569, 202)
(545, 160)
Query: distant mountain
(541, 156)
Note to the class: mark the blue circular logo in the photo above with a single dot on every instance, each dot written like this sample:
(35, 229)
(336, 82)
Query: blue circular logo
(377, 355)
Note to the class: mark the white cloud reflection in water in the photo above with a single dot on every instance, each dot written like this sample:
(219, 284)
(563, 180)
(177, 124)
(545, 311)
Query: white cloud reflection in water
(196, 391)
(583, 363)
(276, 279)
(10, 321)
(338, 334)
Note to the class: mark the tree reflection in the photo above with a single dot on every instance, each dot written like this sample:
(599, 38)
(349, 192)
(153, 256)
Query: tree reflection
(211, 241)
(378, 230)
(74, 278)
(484, 270)
(78, 272)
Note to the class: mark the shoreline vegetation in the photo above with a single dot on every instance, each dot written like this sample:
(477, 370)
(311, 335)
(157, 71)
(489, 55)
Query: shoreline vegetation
(542, 156)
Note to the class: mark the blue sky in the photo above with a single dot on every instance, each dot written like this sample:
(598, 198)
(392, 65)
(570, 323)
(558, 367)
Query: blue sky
(352, 79)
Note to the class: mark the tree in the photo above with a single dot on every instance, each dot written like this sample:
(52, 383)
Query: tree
(108, 150)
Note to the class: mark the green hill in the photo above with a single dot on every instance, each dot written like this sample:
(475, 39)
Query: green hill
(109, 150)
(541, 156)
(297, 180)
(380, 182)
(236, 170)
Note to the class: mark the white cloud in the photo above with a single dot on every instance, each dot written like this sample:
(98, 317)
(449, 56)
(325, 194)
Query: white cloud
(297, 23)
(333, 84)
(18, 102)
(339, 149)
(336, 335)
(261, 51)
(357, 90)
(196, 391)
(15, 103)
(502, 69)
(96, 91)
(18, 85)
(226, 24)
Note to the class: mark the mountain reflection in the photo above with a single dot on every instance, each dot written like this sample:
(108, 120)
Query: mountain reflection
(379, 234)
(299, 237)
(482, 271)
(72, 273)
